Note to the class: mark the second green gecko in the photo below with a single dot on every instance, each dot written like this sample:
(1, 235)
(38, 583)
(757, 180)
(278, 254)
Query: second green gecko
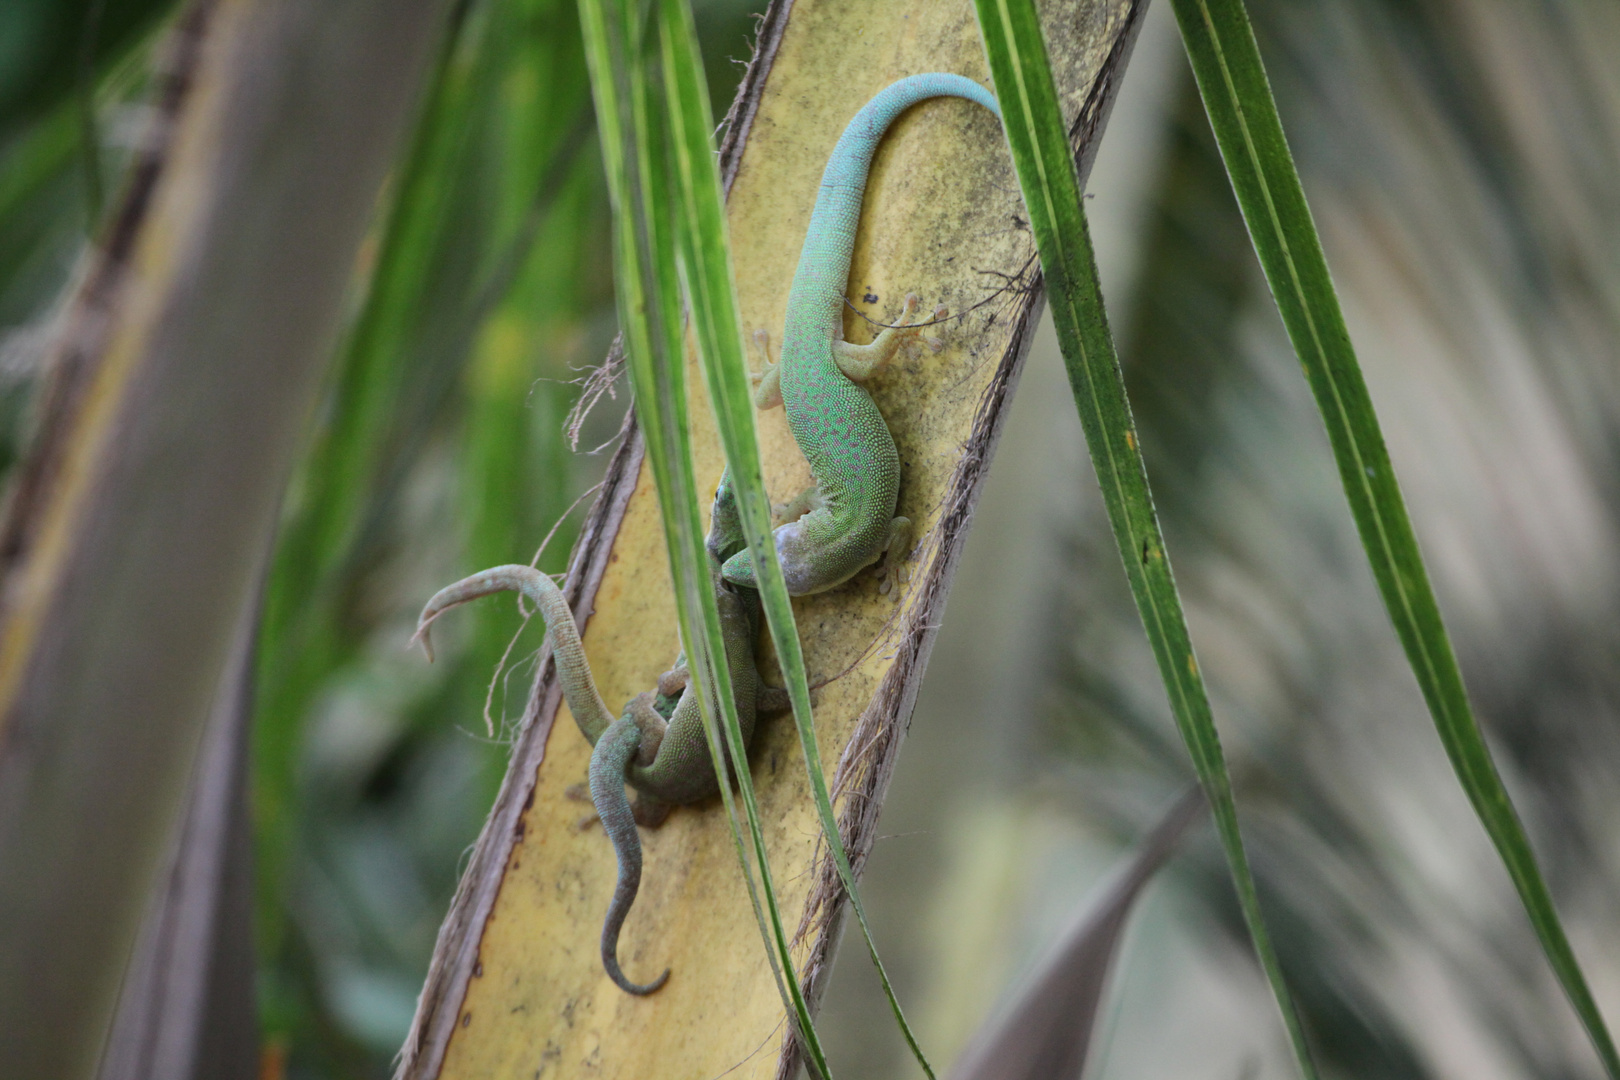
(657, 745)
(846, 520)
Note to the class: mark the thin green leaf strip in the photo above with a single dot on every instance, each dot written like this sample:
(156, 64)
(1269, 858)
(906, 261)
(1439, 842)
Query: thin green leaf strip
(710, 285)
(1237, 97)
(645, 230)
(1038, 138)
(721, 723)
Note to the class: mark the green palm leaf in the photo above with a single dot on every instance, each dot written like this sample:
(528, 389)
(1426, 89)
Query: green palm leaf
(1039, 141)
(1237, 97)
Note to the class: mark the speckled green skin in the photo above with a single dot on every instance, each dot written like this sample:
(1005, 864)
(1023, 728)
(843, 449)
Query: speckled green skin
(657, 746)
(850, 520)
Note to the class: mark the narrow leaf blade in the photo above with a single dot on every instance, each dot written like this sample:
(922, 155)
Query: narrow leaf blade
(1038, 138)
(645, 236)
(1237, 97)
(718, 324)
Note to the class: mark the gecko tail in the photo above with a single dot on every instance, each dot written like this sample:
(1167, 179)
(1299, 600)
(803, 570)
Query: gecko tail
(498, 579)
(612, 756)
(573, 669)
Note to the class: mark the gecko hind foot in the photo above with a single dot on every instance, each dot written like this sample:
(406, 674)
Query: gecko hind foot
(891, 569)
(890, 579)
(650, 813)
(936, 344)
(581, 793)
(770, 699)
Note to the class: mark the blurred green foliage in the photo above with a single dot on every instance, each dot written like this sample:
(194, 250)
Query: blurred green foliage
(71, 74)
(441, 450)
(449, 386)
(52, 48)
(481, 298)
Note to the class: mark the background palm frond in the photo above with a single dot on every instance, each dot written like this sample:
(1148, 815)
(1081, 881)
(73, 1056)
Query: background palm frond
(1457, 164)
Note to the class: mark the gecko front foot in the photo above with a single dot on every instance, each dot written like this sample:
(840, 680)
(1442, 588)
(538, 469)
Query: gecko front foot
(768, 380)
(861, 362)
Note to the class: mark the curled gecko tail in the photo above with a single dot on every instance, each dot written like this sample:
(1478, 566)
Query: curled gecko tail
(612, 756)
(823, 271)
(573, 670)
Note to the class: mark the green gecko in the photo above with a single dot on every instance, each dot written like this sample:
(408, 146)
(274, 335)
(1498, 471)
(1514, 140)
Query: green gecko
(846, 520)
(839, 526)
(657, 745)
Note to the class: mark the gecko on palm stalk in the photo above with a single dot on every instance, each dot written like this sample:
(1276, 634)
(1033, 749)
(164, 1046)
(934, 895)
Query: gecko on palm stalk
(845, 521)
(657, 745)
(839, 526)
